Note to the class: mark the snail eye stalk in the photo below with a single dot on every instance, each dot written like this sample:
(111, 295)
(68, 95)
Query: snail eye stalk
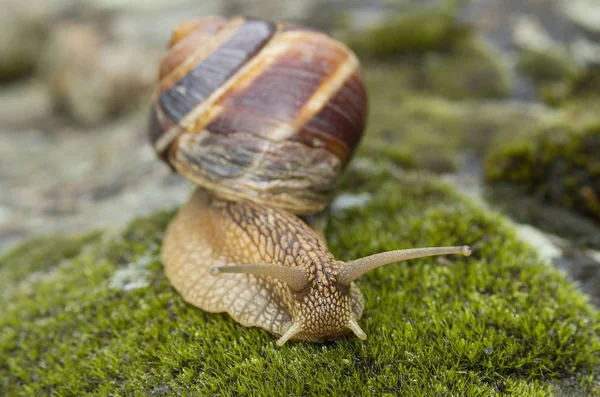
(292, 276)
(356, 268)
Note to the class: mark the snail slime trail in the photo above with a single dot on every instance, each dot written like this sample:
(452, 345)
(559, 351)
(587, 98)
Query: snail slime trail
(263, 117)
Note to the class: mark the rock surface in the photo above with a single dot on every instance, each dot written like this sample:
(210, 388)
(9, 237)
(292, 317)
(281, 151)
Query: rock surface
(71, 180)
(94, 78)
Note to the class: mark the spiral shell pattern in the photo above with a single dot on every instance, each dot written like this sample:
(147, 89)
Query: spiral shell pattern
(252, 109)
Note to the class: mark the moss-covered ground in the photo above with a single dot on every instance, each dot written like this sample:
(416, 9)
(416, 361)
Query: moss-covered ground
(561, 165)
(105, 321)
(40, 255)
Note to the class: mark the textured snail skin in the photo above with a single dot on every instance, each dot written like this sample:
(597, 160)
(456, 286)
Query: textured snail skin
(210, 232)
(253, 109)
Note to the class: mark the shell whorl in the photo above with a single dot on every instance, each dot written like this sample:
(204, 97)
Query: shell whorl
(252, 109)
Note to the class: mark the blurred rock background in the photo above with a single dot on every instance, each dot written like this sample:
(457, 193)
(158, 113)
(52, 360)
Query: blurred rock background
(500, 97)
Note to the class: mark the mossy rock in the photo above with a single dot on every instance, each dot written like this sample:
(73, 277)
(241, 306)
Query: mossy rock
(468, 68)
(436, 52)
(580, 89)
(418, 130)
(415, 132)
(107, 322)
(416, 30)
(585, 83)
(471, 69)
(550, 65)
(561, 165)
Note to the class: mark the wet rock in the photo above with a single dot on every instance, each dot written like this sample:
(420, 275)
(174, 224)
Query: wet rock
(28, 94)
(80, 179)
(578, 230)
(92, 78)
(149, 23)
(585, 13)
(23, 29)
(274, 9)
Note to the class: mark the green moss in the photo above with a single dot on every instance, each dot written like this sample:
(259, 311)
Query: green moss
(468, 68)
(547, 66)
(577, 96)
(107, 322)
(413, 131)
(418, 30)
(561, 166)
(472, 69)
(578, 89)
(39, 255)
(585, 83)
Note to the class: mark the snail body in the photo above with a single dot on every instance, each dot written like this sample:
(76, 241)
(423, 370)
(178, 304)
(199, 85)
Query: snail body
(263, 117)
(246, 232)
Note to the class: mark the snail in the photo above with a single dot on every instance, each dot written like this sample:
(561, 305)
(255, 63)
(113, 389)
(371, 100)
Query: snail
(263, 117)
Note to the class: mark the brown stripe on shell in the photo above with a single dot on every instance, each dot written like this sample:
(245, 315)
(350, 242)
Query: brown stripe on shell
(339, 125)
(215, 69)
(276, 97)
(198, 47)
(189, 39)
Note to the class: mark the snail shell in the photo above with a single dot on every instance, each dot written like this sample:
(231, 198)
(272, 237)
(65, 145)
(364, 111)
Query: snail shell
(253, 109)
